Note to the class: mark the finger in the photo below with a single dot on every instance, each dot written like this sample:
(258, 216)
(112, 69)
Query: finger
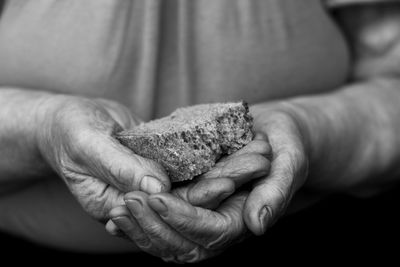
(210, 189)
(207, 228)
(261, 136)
(96, 197)
(258, 146)
(265, 203)
(270, 197)
(114, 230)
(206, 193)
(121, 217)
(216, 185)
(104, 157)
(240, 169)
(165, 241)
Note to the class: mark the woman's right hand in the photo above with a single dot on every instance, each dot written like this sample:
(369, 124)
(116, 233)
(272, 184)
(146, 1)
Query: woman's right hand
(75, 137)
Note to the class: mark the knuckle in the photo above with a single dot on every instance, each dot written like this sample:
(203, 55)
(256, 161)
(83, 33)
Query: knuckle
(68, 172)
(168, 247)
(250, 165)
(154, 229)
(220, 241)
(153, 248)
(281, 197)
(91, 194)
(95, 209)
(241, 167)
(218, 171)
(143, 242)
(190, 257)
(121, 177)
(182, 247)
(201, 194)
(261, 147)
(118, 212)
(185, 193)
(222, 236)
(183, 223)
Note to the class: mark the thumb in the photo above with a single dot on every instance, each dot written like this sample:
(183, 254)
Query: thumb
(105, 158)
(271, 195)
(150, 183)
(90, 145)
(96, 197)
(264, 205)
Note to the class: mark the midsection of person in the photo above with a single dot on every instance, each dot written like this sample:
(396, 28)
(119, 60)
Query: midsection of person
(155, 55)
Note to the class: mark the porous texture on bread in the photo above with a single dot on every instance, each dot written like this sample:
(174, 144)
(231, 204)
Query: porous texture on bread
(188, 142)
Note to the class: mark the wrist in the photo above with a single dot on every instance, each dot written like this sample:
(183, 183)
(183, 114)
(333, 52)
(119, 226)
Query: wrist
(296, 112)
(312, 127)
(47, 112)
(21, 158)
(330, 126)
(288, 134)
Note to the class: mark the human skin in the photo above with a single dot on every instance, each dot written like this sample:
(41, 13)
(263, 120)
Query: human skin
(72, 136)
(51, 138)
(345, 141)
(23, 161)
(249, 163)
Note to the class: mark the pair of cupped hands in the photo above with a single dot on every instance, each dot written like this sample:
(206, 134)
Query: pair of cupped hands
(244, 194)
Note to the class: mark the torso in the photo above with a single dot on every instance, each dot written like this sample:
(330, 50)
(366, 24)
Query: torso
(154, 55)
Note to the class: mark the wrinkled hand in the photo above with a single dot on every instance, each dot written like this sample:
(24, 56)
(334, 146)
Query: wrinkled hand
(272, 194)
(182, 226)
(76, 138)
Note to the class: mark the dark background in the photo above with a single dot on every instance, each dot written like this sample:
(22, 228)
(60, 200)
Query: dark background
(338, 230)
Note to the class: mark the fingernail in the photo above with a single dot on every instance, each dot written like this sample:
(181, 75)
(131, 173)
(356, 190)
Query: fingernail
(151, 185)
(264, 218)
(135, 206)
(143, 243)
(122, 222)
(114, 230)
(159, 206)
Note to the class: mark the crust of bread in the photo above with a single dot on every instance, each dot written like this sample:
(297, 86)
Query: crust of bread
(190, 141)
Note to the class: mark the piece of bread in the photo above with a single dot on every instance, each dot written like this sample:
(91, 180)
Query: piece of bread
(188, 142)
